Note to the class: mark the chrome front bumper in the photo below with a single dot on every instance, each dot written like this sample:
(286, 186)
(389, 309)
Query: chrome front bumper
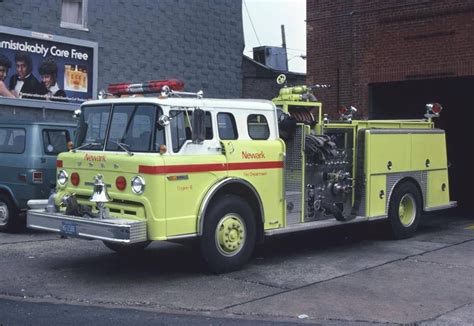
(113, 230)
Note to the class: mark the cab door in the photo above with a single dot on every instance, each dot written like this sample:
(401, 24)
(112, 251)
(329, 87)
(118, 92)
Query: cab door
(254, 153)
(190, 170)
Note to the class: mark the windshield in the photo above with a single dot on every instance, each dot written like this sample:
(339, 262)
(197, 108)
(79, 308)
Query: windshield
(126, 126)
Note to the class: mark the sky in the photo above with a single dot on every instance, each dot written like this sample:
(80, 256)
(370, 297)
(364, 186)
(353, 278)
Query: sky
(267, 17)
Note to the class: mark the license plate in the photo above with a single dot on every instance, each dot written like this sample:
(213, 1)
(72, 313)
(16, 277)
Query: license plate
(68, 228)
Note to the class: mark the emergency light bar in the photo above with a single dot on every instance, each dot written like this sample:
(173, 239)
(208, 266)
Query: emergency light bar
(152, 86)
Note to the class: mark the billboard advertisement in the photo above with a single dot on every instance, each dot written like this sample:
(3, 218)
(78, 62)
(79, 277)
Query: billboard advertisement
(47, 67)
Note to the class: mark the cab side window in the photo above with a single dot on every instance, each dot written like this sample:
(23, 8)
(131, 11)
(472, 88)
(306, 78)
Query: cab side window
(226, 126)
(55, 141)
(12, 140)
(258, 127)
(181, 127)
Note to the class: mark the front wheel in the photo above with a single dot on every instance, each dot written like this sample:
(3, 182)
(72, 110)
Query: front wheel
(229, 234)
(9, 219)
(404, 210)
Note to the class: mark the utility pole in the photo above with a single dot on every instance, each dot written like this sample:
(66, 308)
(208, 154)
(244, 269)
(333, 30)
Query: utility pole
(283, 44)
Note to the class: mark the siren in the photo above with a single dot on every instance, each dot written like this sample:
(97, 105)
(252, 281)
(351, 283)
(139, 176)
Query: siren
(152, 86)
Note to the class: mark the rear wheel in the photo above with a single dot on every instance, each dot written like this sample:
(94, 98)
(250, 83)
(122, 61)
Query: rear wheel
(127, 249)
(404, 210)
(229, 234)
(9, 218)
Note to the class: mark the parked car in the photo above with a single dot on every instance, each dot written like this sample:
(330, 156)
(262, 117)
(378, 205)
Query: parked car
(28, 153)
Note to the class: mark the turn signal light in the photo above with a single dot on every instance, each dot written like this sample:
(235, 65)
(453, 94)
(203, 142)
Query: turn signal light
(75, 179)
(163, 149)
(121, 183)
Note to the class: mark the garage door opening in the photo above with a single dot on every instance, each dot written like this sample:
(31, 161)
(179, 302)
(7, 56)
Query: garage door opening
(407, 99)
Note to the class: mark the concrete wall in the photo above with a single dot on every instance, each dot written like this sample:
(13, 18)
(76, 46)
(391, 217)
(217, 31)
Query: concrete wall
(198, 41)
(352, 44)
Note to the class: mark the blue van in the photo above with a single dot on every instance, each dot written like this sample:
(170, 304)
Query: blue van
(28, 152)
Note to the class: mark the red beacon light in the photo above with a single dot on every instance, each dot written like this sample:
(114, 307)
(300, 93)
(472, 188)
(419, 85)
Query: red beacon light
(342, 110)
(152, 86)
(436, 108)
(433, 110)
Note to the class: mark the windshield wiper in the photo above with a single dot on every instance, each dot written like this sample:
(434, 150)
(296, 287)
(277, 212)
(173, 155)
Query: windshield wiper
(85, 145)
(123, 146)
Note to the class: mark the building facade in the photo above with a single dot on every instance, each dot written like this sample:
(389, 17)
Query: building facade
(390, 58)
(197, 41)
(259, 81)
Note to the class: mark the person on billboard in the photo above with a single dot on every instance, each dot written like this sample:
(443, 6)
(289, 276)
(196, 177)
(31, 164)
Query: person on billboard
(5, 64)
(49, 76)
(23, 82)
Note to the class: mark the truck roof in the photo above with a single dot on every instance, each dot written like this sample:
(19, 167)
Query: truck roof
(250, 104)
(42, 123)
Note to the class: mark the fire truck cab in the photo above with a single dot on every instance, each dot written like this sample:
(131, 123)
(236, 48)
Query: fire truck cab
(230, 172)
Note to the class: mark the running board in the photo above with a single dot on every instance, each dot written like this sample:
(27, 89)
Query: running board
(319, 225)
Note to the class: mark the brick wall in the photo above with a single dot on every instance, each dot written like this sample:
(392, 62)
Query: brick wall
(198, 41)
(352, 44)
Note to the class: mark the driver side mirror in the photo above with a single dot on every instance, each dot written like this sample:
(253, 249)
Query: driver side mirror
(164, 120)
(199, 130)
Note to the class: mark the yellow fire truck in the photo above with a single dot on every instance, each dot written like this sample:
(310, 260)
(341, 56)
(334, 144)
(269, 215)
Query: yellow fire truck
(230, 172)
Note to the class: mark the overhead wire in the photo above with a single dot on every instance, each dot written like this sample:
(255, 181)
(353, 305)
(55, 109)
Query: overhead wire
(251, 23)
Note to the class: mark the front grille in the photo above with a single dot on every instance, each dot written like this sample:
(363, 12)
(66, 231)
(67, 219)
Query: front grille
(118, 208)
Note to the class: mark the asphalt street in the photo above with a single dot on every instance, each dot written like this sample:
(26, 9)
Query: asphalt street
(350, 275)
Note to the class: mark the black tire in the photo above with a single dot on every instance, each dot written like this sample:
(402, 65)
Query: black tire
(404, 210)
(229, 234)
(9, 217)
(127, 249)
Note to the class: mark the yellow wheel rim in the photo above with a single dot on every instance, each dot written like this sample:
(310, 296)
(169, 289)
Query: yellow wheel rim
(230, 235)
(407, 210)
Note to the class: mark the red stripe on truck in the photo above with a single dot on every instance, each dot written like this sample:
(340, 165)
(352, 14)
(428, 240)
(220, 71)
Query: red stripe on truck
(189, 168)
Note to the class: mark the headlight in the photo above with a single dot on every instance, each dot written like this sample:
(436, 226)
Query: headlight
(62, 177)
(138, 185)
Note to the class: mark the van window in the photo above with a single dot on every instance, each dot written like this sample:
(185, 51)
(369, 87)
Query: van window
(12, 140)
(258, 126)
(55, 141)
(181, 127)
(227, 127)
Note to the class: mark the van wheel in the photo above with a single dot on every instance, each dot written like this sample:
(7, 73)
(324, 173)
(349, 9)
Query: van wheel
(229, 234)
(127, 249)
(9, 219)
(404, 210)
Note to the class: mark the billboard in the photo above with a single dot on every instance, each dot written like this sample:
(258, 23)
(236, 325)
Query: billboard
(48, 67)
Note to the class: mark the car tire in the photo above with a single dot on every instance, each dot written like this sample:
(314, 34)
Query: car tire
(404, 210)
(229, 233)
(9, 217)
(127, 249)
